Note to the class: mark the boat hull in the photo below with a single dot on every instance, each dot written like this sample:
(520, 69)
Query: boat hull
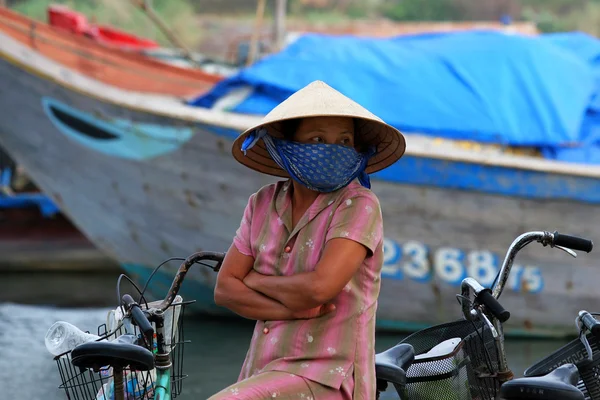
(145, 186)
(128, 70)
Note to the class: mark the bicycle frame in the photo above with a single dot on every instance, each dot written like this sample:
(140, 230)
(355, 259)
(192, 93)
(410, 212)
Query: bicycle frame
(162, 386)
(162, 360)
(162, 383)
(471, 285)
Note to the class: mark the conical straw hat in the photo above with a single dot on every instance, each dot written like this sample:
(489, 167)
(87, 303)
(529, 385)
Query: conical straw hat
(320, 100)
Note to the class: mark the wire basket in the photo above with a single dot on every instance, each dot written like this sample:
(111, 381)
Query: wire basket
(468, 372)
(86, 384)
(574, 352)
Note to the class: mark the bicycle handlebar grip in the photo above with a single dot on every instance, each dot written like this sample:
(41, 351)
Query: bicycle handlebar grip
(486, 298)
(590, 322)
(573, 242)
(138, 316)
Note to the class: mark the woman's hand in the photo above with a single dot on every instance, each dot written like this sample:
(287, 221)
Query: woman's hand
(341, 259)
(252, 280)
(315, 312)
(232, 293)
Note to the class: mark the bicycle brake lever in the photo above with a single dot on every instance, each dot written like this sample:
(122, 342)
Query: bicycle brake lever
(489, 324)
(583, 339)
(568, 251)
(588, 348)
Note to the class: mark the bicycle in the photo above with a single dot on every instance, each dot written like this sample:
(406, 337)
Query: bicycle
(142, 357)
(476, 367)
(138, 364)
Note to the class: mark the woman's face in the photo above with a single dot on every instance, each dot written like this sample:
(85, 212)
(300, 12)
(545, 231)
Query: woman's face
(328, 130)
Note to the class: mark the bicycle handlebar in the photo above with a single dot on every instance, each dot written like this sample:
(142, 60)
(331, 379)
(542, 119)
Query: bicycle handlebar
(590, 322)
(485, 297)
(573, 242)
(546, 238)
(183, 269)
(489, 297)
(138, 316)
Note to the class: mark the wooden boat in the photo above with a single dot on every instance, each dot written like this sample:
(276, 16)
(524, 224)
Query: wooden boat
(32, 234)
(146, 177)
(131, 71)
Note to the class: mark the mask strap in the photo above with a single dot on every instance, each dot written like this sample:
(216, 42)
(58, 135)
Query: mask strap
(252, 138)
(363, 177)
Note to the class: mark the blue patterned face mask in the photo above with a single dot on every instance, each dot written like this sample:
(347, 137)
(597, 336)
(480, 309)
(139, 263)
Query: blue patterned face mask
(320, 167)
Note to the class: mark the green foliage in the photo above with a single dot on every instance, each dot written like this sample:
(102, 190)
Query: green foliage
(545, 21)
(548, 15)
(121, 13)
(421, 10)
(357, 10)
(33, 9)
(579, 15)
(323, 17)
(555, 6)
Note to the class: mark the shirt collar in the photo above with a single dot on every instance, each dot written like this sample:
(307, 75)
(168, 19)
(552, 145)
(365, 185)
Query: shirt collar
(283, 206)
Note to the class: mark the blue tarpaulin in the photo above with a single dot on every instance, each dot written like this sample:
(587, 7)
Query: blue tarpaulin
(587, 149)
(585, 47)
(479, 85)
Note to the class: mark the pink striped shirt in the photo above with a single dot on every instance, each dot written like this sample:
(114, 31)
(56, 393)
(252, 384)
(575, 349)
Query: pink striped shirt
(338, 348)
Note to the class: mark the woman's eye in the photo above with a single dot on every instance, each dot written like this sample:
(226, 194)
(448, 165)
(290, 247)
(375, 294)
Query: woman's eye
(317, 139)
(346, 142)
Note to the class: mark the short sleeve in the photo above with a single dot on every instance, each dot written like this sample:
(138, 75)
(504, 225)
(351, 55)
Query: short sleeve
(242, 235)
(358, 218)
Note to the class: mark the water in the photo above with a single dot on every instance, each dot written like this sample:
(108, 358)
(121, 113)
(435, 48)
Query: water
(212, 359)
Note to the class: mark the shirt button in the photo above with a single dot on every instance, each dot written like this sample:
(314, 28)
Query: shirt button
(287, 249)
(266, 330)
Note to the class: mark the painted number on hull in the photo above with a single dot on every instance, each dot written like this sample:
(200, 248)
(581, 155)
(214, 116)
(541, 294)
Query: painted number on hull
(413, 260)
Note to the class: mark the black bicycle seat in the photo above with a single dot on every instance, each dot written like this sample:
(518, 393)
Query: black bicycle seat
(391, 364)
(558, 384)
(120, 353)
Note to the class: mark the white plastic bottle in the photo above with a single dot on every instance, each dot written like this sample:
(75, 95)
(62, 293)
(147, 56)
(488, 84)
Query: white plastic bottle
(63, 336)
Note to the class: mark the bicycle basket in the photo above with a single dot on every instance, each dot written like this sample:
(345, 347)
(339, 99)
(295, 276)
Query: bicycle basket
(467, 372)
(86, 384)
(574, 352)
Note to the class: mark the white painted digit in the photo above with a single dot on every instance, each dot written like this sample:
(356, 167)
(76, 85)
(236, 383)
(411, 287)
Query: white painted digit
(391, 256)
(417, 267)
(482, 266)
(532, 279)
(448, 265)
